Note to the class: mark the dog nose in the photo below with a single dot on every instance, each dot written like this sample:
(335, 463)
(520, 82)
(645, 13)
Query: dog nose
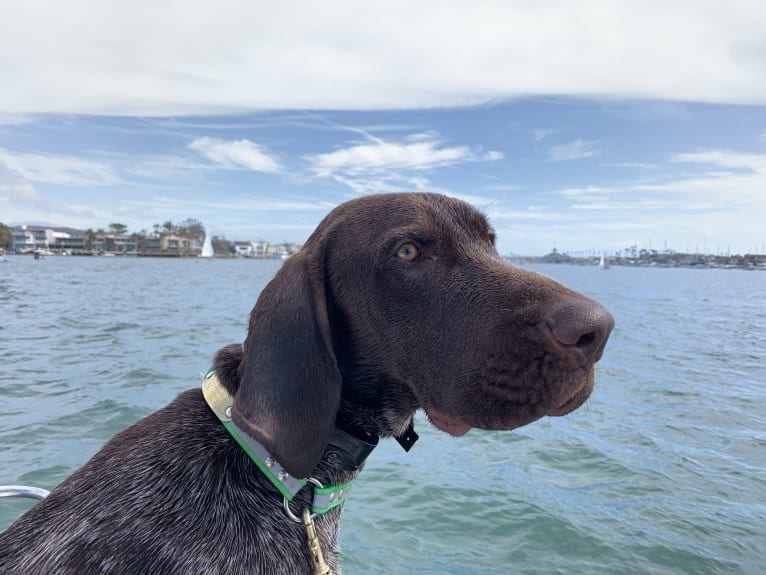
(581, 325)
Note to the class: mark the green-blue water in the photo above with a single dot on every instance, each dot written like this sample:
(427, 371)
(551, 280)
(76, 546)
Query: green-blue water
(663, 470)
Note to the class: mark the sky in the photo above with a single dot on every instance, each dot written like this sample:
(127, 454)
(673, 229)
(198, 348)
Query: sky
(587, 126)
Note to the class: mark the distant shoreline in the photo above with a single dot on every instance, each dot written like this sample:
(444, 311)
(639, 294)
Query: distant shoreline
(755, 262)
(139, 255)
(749, 262)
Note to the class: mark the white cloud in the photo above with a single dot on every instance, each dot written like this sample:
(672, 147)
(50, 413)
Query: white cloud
(541, 133)
(172, 169)
(15, 187)
(415, 137)
(379, 166)
(637, 165)
(588, 191)
(54, 169)
(239, 204)
(14, 119)
(576, 150)
(25, 204)
(235, 154)
(639, 204)
(528, 215)
(739, 188)
(725, 159)
(381, 156)
(721, 207)
(721, 191)
(492, 156)
(741, 183)
(338, 54)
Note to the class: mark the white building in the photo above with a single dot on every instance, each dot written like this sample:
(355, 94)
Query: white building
(26, 239)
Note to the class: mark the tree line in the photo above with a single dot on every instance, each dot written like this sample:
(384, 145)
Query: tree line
(188, 228)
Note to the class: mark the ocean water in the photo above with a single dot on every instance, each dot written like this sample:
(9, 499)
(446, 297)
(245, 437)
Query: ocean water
(662, 471)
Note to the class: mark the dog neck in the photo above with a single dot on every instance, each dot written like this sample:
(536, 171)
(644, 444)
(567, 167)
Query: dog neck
(358, 426)
(366, 422)
(345, 453)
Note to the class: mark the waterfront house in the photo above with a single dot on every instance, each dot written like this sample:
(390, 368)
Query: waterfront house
(26, 239)
(170, 245)
(114, 243)
(260, 248)
(244, 249)
(69, 243)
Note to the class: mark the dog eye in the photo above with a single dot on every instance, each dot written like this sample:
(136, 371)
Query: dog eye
(407, 252)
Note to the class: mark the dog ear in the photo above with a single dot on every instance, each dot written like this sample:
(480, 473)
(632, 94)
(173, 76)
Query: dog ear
(289, 389)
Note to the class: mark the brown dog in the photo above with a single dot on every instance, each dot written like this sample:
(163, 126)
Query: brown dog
(396, 303)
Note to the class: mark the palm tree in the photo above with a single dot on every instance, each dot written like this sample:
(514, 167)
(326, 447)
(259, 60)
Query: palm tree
(90, 237)
(118, 229)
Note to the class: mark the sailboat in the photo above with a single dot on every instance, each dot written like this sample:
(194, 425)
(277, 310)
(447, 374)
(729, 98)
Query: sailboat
(602, 263)
(207, 247)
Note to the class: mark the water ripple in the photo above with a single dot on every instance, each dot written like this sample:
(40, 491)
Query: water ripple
(663, 471)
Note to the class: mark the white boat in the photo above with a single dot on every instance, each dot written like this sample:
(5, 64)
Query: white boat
(207, 247)
(602, 263)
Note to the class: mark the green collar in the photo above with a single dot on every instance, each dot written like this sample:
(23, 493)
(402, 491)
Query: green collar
(326, 497)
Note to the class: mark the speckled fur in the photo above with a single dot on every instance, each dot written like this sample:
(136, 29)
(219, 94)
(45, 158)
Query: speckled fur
(346, 333)
(172, 494)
